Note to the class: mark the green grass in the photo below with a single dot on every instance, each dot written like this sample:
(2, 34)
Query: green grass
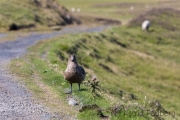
(117, 9)
(122, 58)
(24, 13)
(144, 64)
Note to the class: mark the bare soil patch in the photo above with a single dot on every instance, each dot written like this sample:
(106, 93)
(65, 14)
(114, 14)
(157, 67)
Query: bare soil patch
(91, 19)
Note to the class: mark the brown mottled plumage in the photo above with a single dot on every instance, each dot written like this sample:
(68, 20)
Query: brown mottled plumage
(74, 73)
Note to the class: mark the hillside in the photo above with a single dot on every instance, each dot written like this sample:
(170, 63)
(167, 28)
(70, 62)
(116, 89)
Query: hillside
(166, 18)
(137, 70)
(34, 14)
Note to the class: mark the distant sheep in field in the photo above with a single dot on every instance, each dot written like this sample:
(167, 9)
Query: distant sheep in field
(75, 10)
(72, 9)
(146, 25)
(78, 10)
(132, 8)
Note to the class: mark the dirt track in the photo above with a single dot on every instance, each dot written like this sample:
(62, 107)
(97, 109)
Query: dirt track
(15, 101)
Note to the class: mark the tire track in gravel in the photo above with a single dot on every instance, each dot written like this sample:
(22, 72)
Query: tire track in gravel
(15, 101)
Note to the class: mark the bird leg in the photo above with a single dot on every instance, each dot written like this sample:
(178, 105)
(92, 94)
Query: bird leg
(70, 89)
(79, 87)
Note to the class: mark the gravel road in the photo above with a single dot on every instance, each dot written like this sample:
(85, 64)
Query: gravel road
(16, 103)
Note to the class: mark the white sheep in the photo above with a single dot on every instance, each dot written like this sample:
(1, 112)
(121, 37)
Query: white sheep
(145, 25)
(147, 6)
(132, 8)
(72, 9)
(78, 10)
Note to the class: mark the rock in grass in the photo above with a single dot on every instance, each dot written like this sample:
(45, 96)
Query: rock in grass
(72, 102)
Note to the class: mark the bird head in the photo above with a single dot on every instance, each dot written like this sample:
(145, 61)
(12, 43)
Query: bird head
(72, 58)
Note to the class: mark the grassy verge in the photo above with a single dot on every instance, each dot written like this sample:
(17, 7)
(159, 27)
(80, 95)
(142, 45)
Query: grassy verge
(135, 70)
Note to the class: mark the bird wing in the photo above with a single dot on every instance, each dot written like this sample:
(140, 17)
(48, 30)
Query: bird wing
(81, 70)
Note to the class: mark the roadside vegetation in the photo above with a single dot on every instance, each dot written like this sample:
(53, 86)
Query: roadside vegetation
(137, 71)
(34, 15)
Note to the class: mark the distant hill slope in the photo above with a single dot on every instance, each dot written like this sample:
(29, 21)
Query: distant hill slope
(166, 18)
(19, 14)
